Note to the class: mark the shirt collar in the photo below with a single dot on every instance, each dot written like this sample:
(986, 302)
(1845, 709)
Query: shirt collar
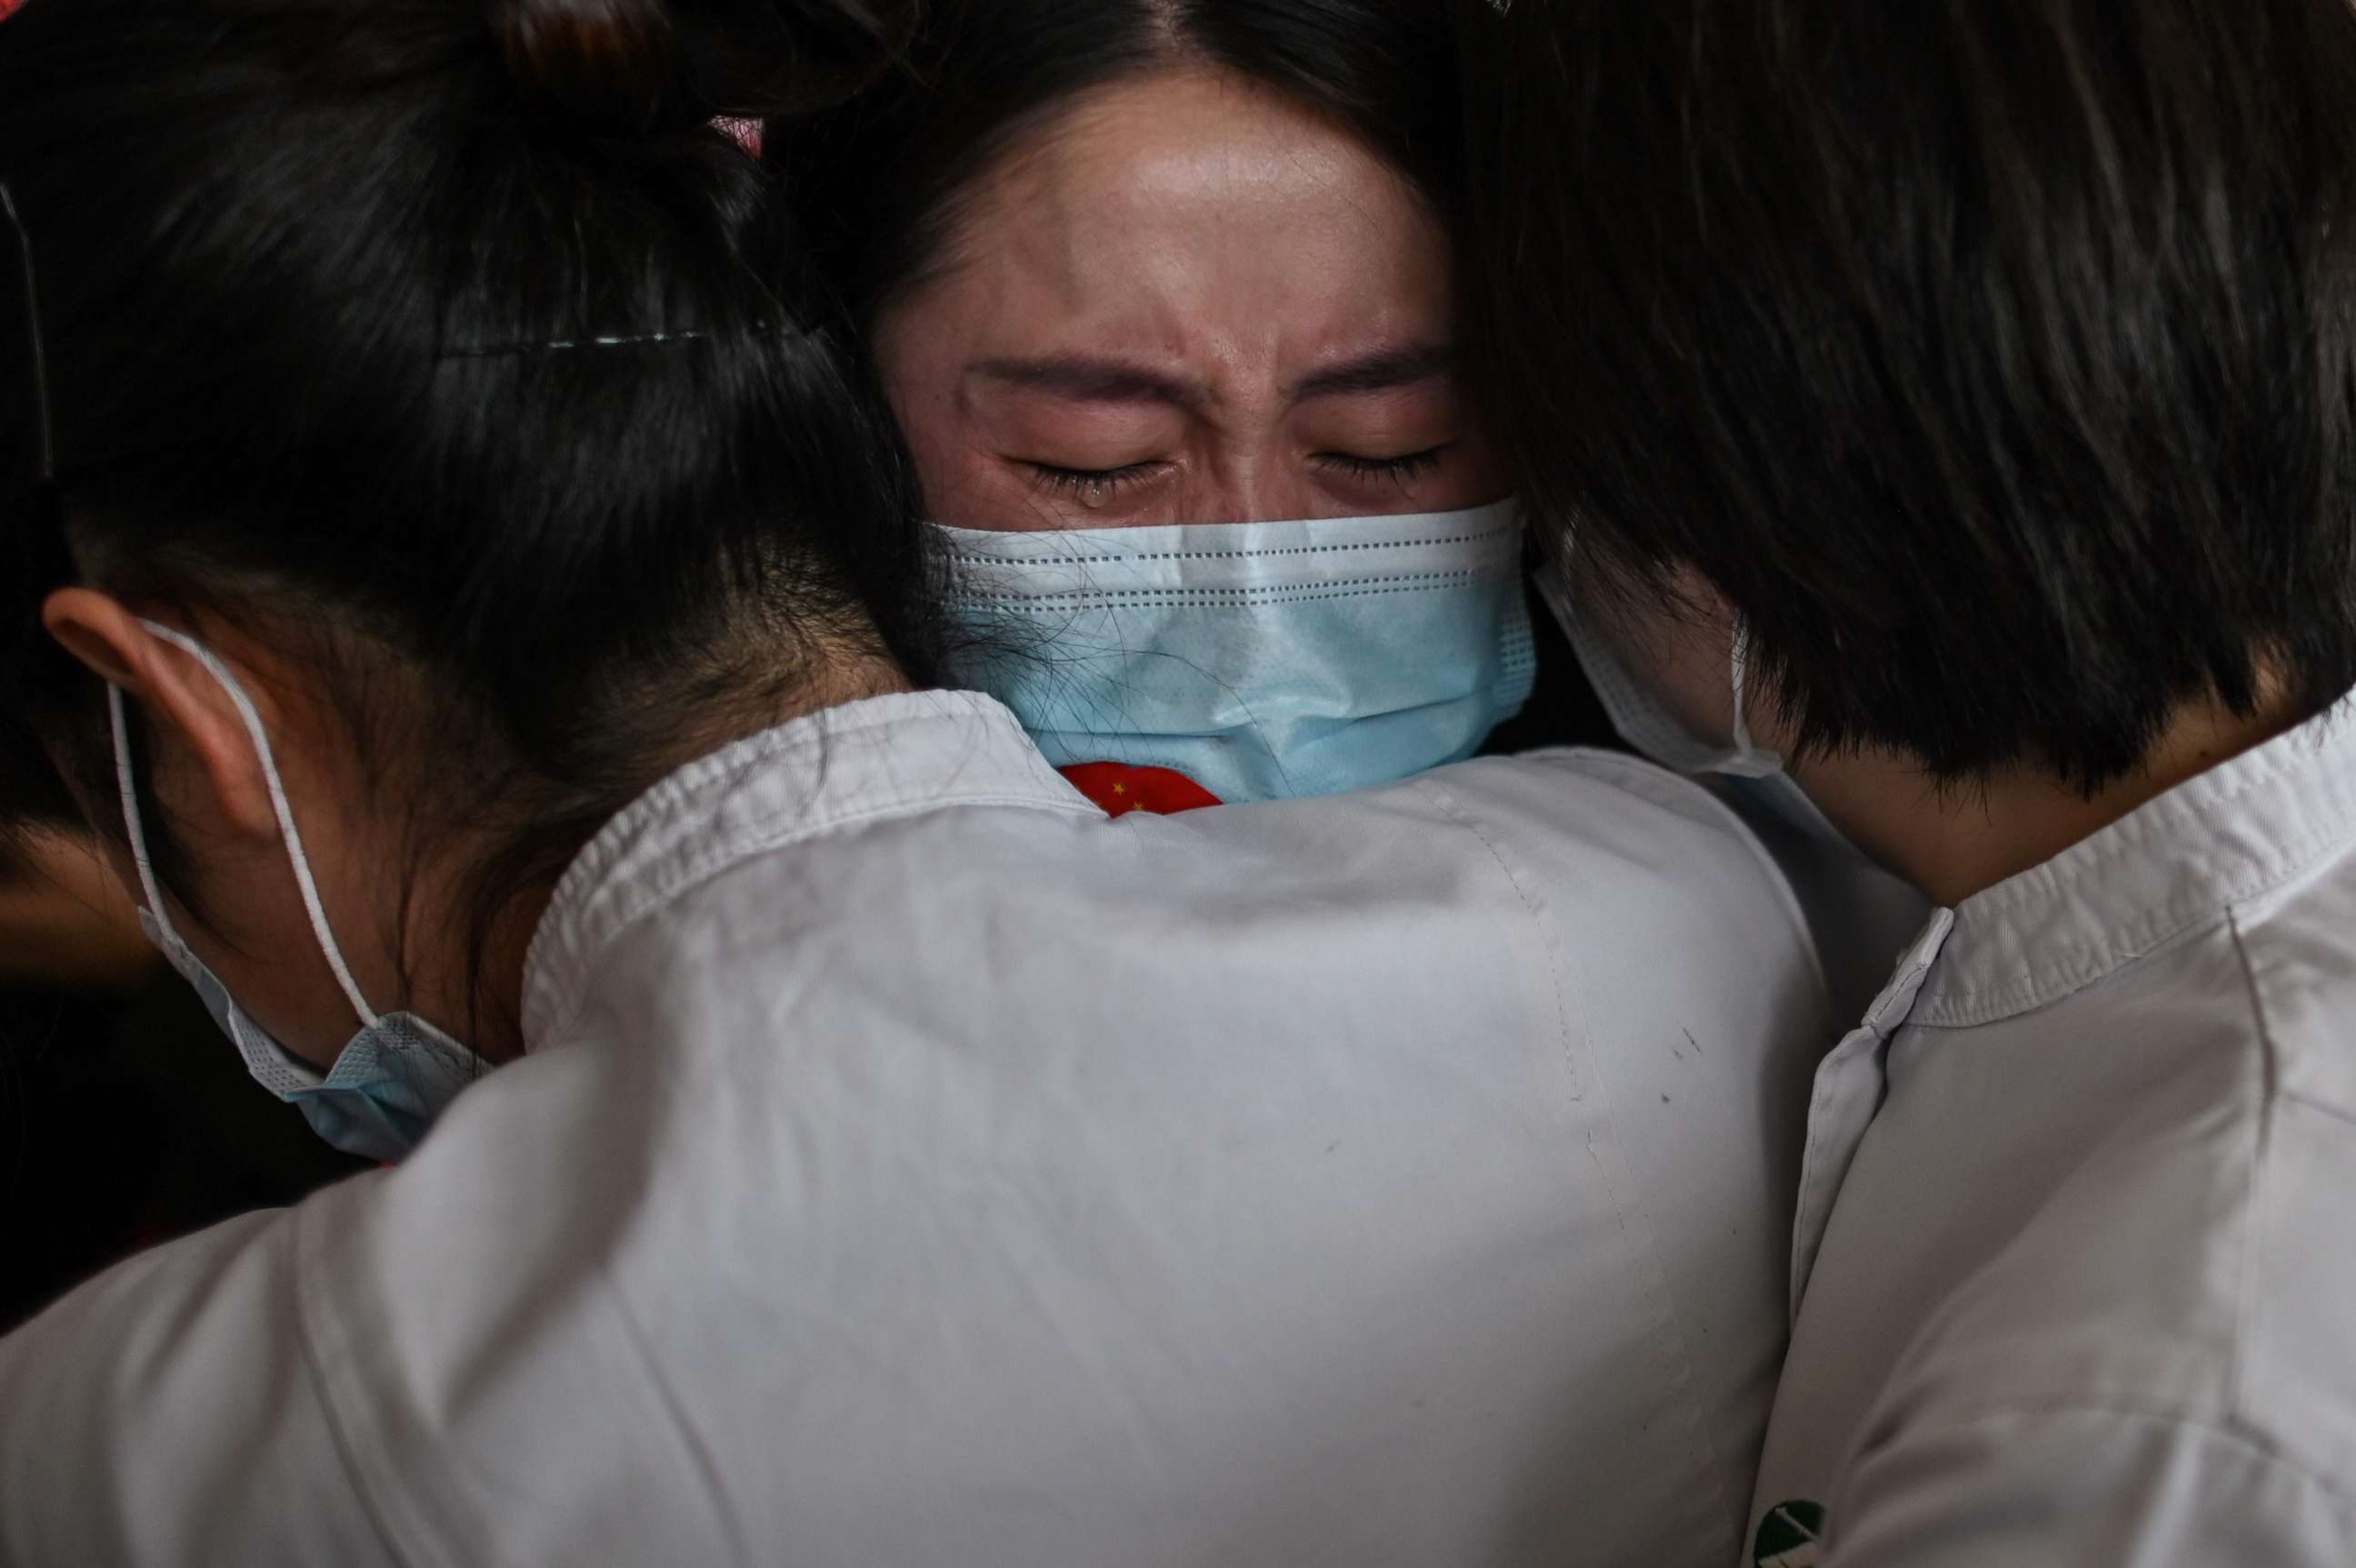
(897, 754)
(2171, 866)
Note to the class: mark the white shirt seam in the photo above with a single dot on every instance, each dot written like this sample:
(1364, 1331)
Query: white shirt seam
(2305, 1101)
(640, 901)
(304, 1281)
(1622, 768)
(2253, 1226)
(2234, 1431)
(2302, 772)
(1628, 1212)
(2089, 962)
(813, 733)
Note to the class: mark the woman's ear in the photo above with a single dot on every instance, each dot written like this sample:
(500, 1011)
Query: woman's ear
(178, 694)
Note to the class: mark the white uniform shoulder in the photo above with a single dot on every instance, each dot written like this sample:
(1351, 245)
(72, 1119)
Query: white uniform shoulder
(913, 1166)
(2068, 1487)
(2083, 1294)
(140, 1408)
(2182, 1257)
(1589, 792)
(1616, 840)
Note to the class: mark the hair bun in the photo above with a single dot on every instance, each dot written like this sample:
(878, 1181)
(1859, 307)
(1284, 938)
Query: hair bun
(601, 66)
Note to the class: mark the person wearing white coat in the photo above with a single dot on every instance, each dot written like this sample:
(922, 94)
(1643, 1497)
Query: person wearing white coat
(861, 1149)
(1991, 437)
(910, 1164)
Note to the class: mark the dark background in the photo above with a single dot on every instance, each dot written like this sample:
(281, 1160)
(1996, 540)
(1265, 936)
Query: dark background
(126, 1118)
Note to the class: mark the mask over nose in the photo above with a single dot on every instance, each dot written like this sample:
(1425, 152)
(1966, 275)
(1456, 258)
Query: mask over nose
(397, 1074)
(1262, 660)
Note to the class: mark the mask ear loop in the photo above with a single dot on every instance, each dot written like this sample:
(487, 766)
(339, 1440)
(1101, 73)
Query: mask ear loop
(132, 825)
(1748, 760)
(278, 805)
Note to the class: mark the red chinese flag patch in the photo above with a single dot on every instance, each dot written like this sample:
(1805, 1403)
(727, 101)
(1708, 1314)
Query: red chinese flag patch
(1120, 788)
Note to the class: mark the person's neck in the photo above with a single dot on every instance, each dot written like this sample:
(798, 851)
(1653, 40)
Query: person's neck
(1953, 841)
(494, 997)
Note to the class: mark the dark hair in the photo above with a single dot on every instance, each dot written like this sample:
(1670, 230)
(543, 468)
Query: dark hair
(879, 181)
(1993, 359)
(454, 345)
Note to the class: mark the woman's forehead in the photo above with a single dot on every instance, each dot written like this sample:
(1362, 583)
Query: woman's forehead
(1196, 219)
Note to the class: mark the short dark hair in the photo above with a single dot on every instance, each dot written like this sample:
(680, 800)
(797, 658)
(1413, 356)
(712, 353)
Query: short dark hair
(879, 181)
(450, 332)
(1997, 361)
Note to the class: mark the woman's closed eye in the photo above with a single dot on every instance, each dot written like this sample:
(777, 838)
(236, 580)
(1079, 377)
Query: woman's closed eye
(1381, 478)
(1097, 483)
(1401, 471)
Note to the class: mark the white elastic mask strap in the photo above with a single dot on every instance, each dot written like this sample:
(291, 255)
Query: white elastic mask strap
(131, 822)
(301, 863)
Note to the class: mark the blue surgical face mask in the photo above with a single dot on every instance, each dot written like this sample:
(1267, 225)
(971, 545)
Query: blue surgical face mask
(1644, 721)
(1647, 723)
(1260, 660)
(398, 1072)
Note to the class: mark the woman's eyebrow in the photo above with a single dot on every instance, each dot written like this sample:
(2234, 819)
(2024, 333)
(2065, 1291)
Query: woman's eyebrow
(1086, 380)
(1386, 370)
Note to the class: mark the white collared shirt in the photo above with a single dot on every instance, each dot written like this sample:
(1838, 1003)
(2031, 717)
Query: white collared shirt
(911, 1166)
(2075, 1259)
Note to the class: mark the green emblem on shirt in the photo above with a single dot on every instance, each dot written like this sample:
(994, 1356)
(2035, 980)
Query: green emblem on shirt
(1789, 1536)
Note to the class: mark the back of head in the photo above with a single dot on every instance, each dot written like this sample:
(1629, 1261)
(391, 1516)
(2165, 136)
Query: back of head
(879, 180)
(1997, 362)
(450, 346)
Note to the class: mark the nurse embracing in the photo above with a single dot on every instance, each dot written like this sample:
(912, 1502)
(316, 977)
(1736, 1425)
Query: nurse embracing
(461, 572)
(1977, 379)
